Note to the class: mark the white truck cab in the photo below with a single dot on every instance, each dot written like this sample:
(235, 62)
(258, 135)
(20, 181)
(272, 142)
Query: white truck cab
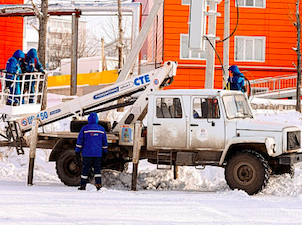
(217, 127)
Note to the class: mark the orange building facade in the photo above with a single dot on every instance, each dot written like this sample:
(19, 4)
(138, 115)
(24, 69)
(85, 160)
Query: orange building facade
(11, 34)
(261, 46)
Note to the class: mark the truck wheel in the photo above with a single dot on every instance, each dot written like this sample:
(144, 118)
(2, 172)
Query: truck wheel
(248, 171)
(67, 169)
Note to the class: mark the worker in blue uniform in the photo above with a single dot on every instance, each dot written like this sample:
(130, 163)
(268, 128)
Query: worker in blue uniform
(32, 64)
(92, 143)
(13, 68)
(236, 82)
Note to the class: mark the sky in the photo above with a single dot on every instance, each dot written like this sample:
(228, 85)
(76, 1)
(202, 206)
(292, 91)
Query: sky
(197, 197)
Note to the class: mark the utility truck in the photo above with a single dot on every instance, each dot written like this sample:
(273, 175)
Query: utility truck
(184, 128)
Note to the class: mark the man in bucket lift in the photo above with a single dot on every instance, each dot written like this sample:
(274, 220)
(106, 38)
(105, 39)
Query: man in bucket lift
(13, 68)
(32, 64)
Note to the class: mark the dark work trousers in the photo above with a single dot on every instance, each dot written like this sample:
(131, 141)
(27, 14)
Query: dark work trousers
(89, 162)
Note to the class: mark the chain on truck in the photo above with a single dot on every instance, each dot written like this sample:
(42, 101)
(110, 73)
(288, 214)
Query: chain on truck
(184, 128)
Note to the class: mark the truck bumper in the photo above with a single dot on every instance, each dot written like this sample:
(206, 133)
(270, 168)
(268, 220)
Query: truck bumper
(290, 159)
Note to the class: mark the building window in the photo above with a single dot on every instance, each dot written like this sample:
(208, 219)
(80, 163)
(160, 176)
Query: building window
(186, 53)
(251, 3)
(185, 2)
(250, 49)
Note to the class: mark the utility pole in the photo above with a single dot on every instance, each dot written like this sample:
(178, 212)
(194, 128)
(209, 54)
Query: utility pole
(298, 51)
(104, 64)
(74, 54)
(120, 37)
(211, 37)
(120, 46)
(226, 43)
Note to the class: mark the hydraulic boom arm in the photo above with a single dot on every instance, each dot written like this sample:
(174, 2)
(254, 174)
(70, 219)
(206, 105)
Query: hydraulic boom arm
(96, 101)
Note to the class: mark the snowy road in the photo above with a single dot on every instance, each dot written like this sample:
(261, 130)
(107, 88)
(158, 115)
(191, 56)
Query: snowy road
(198, 197)
(53, 203)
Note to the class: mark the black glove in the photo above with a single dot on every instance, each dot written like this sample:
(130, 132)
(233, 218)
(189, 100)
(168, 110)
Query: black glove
(78, 158)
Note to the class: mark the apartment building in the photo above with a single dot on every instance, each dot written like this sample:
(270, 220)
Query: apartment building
(58, 38)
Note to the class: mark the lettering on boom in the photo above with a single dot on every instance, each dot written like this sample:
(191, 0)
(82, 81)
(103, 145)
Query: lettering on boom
(142, 80)
(105, 93)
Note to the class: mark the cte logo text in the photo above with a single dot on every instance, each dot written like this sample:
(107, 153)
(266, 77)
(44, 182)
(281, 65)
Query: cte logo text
(142, 80)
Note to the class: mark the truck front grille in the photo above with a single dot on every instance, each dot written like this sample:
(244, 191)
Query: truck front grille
(293, 140)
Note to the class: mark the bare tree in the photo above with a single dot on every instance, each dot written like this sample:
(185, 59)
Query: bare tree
(91, 46)
(88, 45)
(297, 23)
(42, 15)
(111, 32)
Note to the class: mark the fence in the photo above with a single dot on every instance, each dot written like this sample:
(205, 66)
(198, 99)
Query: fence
(274, 84)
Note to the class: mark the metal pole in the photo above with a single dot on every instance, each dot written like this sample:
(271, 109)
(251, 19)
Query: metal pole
(103, 56)
(226, 43)
(74, 55)
(32, 151)
(298, 26)
(136, 152)
(175, 172)
(209, 81)
(120, 35)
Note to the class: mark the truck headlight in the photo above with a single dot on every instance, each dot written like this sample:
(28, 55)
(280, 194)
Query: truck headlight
(270, 146)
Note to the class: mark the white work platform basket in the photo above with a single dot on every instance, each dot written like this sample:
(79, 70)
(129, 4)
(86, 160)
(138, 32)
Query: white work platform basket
(21, 93)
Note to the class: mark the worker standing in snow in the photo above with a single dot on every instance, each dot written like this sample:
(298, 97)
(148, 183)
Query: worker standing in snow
(31, 64)
(92, 142)
(236, 82)
(13, 68)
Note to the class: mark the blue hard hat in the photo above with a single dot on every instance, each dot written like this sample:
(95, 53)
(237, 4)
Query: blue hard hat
(234, 69)
(19, 54)
(32, 53)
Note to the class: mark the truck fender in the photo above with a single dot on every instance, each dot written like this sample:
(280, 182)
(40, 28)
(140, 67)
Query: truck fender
(59, 147)
(268, 142)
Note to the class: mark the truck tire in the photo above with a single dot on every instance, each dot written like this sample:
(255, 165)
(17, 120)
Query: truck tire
(67, 169)
(248, 171)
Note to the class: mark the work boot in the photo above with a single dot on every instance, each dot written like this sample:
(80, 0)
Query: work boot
(98, 186)
(82, 188)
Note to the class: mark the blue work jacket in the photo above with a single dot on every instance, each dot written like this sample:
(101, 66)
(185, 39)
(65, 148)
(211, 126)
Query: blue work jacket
(92, 139)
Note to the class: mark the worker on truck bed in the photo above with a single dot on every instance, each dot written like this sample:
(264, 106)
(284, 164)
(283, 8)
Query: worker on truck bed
(13, 68)
(236, 82)
(92, 142)
(31, 64)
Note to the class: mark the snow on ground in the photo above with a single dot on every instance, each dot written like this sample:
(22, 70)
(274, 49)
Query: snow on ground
(197, 197)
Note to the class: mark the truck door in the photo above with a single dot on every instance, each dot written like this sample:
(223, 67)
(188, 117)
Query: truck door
(206, 130)
(169, 124)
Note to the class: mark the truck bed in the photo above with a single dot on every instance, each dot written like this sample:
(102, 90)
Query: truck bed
(67, 134)
(48, 140)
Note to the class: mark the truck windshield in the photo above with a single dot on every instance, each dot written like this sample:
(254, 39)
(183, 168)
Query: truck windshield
(236, 106)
